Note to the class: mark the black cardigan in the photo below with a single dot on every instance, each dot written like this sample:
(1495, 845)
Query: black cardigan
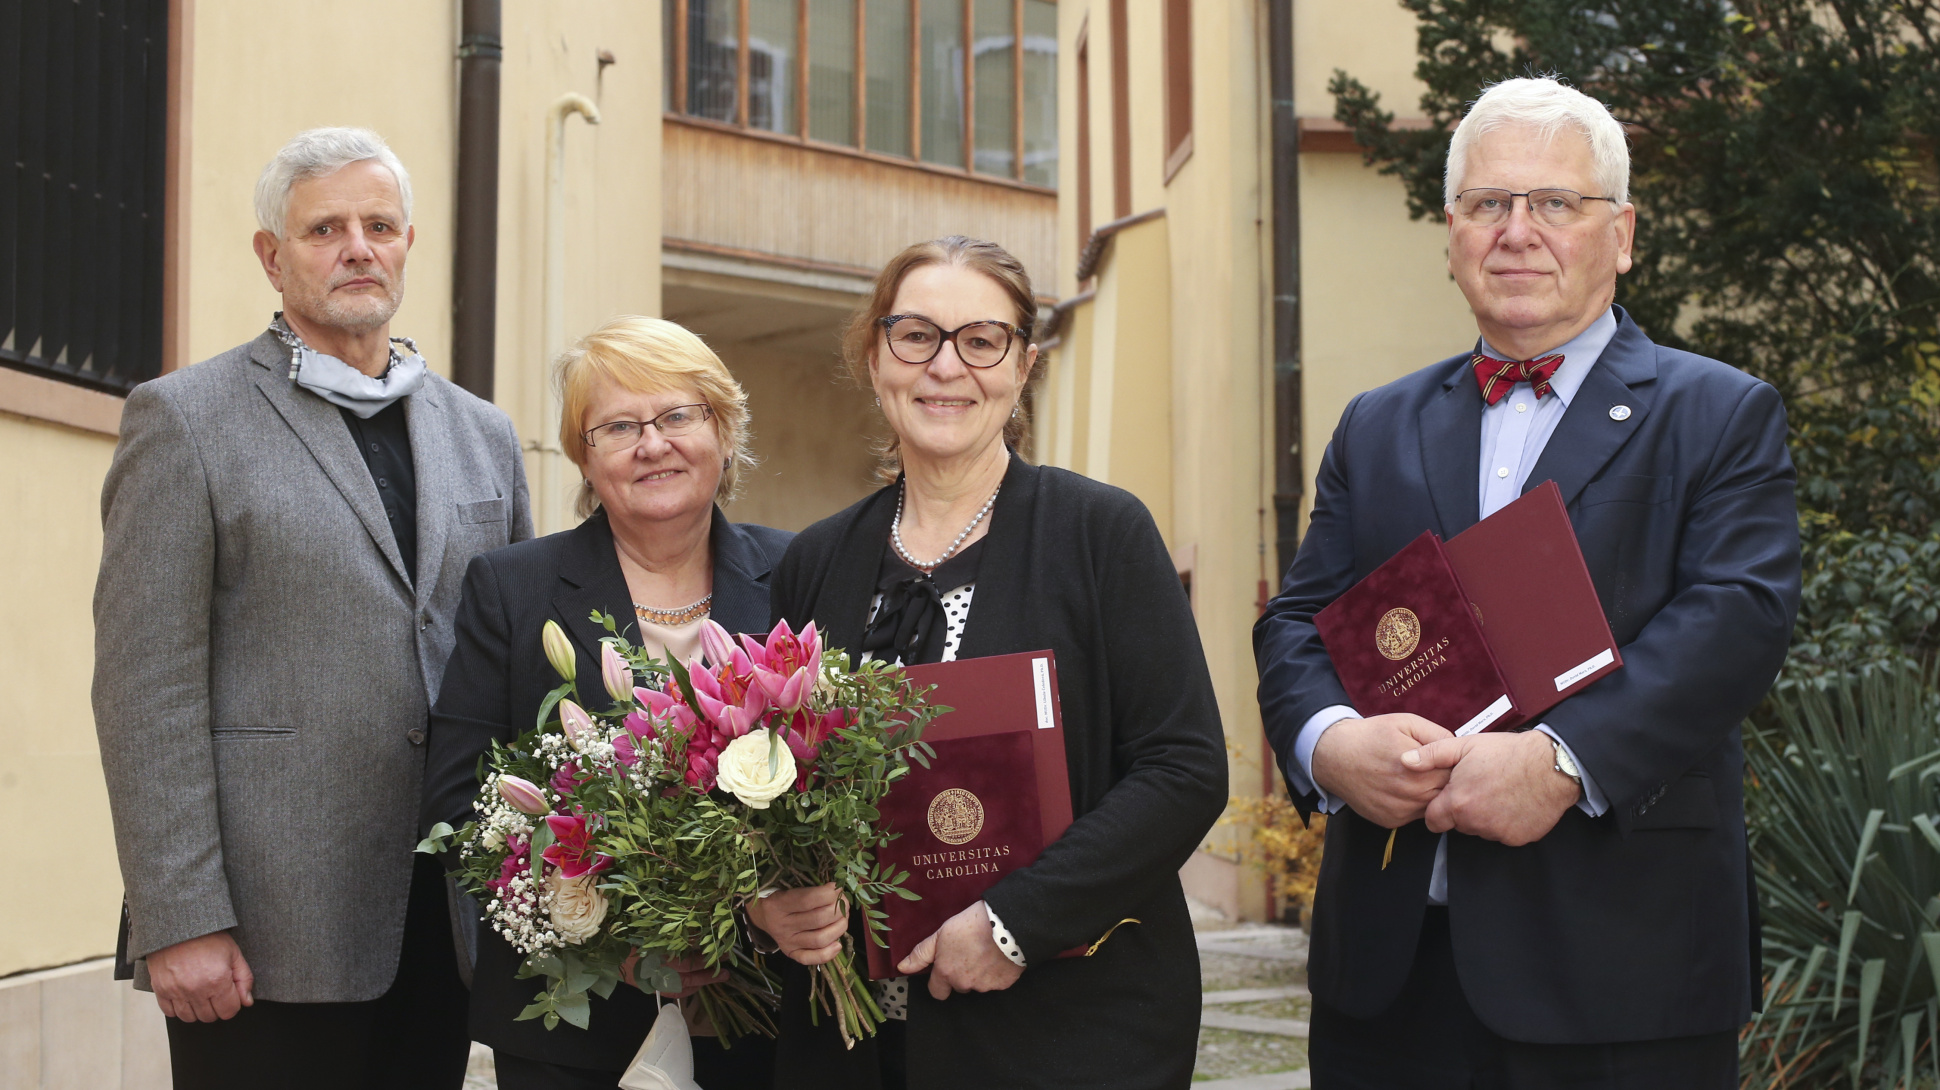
(492, 689)
(1077, 567)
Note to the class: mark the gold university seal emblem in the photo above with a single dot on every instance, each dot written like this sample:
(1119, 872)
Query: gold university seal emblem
(1396, 635)
(956, 816)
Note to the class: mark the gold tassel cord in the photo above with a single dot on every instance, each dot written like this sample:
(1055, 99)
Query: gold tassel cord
(1387, 853)
(1107, 934)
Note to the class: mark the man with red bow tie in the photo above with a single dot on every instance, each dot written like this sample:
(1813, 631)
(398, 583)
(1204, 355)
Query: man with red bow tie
(1569, 905)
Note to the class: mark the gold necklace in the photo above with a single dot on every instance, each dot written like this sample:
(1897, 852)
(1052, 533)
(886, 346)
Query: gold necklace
(674, 617)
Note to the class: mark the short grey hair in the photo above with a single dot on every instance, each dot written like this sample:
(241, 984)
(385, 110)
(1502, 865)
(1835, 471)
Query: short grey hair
(1549, 106)
(313, 154)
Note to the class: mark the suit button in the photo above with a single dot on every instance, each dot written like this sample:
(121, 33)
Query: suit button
(416, 735)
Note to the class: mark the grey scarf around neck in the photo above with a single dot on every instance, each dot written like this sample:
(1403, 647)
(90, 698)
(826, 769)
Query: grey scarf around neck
(345, 386)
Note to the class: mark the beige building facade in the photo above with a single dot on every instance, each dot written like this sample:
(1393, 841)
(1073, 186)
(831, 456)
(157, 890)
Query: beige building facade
(754, 162)
(1161, 372)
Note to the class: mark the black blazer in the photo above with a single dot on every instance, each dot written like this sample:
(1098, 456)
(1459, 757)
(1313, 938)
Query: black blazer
(1636, 925)
(492, 689)
(1077, 567)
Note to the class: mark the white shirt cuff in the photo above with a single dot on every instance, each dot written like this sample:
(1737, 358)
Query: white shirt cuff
(1592, 803)
(1003, 937)
(1301, 772)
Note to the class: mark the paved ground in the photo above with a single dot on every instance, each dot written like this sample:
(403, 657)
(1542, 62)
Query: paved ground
(1253, 1031)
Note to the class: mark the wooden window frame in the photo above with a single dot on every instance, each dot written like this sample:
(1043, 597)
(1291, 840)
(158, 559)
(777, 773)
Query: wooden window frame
(682, 62)
(1178, 85)
(1082, 168)
(1121, 109)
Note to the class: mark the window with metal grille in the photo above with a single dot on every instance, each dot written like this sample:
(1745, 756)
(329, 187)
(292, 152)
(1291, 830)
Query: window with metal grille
(83, 114)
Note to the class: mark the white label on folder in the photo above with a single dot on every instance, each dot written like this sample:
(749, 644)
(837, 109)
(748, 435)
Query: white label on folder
(1489, 715)
(1584, 669)
(1041, 678)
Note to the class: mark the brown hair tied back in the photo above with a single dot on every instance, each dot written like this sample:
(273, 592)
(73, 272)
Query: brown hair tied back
(864, 334)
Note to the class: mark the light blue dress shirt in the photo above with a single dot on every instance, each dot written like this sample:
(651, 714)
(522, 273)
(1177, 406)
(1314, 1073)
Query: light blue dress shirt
(1514, 432)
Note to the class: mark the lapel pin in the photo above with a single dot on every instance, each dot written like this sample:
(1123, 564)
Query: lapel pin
(1619, 412)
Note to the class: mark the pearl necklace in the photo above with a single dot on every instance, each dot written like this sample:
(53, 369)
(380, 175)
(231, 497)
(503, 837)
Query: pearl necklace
(675, 617)
(896, 530)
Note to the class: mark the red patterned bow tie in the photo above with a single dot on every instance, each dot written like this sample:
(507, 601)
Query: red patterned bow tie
(1496, 377)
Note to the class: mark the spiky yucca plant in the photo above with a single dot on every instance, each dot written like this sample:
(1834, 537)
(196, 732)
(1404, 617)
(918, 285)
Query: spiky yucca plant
(1843, 800)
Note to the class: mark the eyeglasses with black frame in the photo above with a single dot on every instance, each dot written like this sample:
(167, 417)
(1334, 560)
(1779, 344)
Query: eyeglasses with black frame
(618, 435)
(1550, 207)
(915, 339)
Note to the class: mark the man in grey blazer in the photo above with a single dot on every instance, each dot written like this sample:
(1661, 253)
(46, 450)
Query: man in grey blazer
(287, 526)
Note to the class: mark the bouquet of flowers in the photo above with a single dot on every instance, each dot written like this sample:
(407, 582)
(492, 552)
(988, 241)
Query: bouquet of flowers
(610, 844)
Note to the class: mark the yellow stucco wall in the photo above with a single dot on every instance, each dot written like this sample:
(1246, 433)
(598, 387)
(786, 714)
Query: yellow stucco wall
(259, 73)
(51, 791)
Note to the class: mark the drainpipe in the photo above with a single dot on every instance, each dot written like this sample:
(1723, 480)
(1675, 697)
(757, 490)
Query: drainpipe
(1288, 472)
(474, 281)
(553, 497)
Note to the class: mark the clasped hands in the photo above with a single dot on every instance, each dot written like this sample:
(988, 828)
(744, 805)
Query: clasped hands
(961, 956)
(1394, 769)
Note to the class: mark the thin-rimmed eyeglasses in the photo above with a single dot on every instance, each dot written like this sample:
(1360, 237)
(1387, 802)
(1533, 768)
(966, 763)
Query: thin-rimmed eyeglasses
(1550, 207)
(616, 435)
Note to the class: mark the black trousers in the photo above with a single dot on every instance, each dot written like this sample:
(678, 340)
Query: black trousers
(413, 1037)
(1431, 1040)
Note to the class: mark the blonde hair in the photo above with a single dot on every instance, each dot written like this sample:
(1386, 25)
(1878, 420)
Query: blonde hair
(865, 333)
(650, 356)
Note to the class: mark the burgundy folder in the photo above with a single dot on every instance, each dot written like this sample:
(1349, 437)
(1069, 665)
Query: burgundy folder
(995, 794)
(1483, 632)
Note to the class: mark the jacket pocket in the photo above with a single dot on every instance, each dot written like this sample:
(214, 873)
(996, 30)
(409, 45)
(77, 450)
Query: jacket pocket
(477, 511)
(1627, 489)
(253, 732)
(1686, 803)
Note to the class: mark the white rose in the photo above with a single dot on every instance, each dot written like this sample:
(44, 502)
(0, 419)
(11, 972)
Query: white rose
(577, 906)
(756, 768)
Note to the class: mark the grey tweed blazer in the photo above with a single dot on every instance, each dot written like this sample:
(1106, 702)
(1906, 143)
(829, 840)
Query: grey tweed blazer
(264, 668)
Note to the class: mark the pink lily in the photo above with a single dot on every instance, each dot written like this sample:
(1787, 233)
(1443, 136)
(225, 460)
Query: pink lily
(788, 652)
(786, 692)
(657, 702)
(624, 749)
(567, 778)
(617, 675)
(577, 724)
(705, 683)
(572, 848)
(716, 644)
(523, 795)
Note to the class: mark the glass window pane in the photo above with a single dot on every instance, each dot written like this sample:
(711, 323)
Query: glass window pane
(1041, 92)
(943, 82)
(996, 86)
(831, 70)
(713, 58)
(888, 45)
(772, 55)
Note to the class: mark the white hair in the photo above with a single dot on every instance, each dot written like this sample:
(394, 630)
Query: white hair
(313, 154)
(1547, 105)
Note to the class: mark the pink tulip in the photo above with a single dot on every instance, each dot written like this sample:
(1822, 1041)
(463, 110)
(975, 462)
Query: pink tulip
(716, 644)
(616, 673)
(577, 724)
(523, 795)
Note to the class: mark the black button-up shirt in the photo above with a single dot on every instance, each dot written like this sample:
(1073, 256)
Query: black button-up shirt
(385, 443)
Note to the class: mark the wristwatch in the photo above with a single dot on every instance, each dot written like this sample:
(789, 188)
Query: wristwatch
(1567, 766)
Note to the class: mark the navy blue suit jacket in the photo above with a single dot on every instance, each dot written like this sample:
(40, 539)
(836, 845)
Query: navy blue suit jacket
(1639, 924)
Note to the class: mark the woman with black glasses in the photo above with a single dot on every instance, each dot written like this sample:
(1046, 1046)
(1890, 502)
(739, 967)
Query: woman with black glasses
(970, 551)
(659, 428)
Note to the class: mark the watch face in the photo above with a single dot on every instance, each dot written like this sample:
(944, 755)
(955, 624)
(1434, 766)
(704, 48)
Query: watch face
(1566, 766)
